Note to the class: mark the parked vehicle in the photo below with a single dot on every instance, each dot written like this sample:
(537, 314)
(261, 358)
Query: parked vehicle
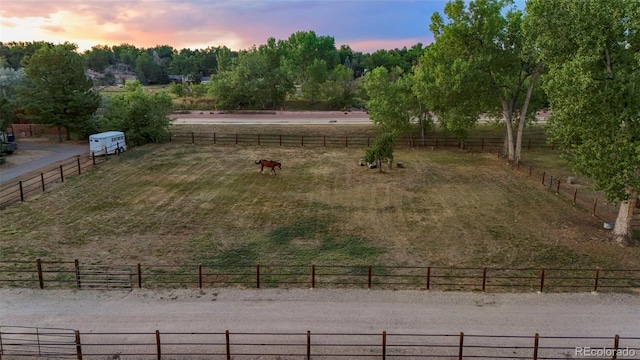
(110, 142)
(8, 143)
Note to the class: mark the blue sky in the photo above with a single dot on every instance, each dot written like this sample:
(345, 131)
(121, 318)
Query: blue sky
(365, 25)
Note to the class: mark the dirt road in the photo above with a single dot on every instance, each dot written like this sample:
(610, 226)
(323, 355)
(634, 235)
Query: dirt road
(350, 311)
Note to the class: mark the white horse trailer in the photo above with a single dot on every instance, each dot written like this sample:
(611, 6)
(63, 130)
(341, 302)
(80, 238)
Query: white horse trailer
(110, 142)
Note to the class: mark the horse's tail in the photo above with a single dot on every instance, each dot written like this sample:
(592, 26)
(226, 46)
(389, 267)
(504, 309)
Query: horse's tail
(258, 161)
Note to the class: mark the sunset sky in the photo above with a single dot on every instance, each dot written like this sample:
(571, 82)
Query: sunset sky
(365, 25)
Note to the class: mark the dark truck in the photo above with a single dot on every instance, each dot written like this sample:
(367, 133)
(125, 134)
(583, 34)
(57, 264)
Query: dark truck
(8, 143)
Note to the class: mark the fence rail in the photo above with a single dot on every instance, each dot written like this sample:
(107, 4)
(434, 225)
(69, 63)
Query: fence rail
(578, 193)
(488, 144)
(71, 274)
(17, 342)
(37, 184)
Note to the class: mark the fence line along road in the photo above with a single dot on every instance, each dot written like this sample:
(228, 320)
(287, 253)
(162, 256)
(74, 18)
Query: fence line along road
(72, 274)
(20, 342)
(488, 144)
(37, 184)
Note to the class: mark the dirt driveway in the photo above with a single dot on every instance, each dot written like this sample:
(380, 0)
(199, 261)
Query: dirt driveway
(34, 154)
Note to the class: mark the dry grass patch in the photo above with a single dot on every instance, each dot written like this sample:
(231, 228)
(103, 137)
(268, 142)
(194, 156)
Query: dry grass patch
(178, 204)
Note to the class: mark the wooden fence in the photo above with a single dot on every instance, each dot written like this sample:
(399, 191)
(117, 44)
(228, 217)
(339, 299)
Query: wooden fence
(488, 144)
(578, 193)
(20, 342)
(71, 274)
(22, 189)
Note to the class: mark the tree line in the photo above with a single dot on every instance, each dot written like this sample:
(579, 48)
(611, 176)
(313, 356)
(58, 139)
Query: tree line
(578, 57)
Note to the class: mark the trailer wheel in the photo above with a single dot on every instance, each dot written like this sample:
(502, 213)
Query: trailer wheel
(121, 149)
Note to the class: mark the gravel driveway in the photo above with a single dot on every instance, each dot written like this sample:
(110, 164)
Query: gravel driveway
(275, 310)
(34, 154)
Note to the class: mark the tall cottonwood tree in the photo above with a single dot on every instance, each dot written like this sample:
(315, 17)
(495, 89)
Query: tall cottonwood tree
(478, 64)
(393, 103)
(591, 50)
(58, 92)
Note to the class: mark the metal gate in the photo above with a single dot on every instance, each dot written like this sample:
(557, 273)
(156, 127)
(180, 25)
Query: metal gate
(104, 277)
(25, 342)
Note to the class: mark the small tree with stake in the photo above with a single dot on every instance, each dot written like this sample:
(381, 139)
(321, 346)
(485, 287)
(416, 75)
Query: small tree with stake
(381, 150)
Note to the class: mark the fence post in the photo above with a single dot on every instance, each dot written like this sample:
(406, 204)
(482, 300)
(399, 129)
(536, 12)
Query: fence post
(384, 345)
(616, 344)
(536, 341)
(543, 175)
(595, 279)
(575, 194)
(302, 141)
(258, 276)
(324, 141)
(313, 276)
(280, 140)
(558, 187)
(193, 138)
(170, 137)
(461, 346)
(258, 139)
(541, 279)
(79, 170)
(42, 180)
(158, 346)
(595, 204)
(346, 141)
(200, 276)
(308, 345)
(550, 181)
(236, 138)
(228, 346)
(428, 277)
(61, 173)
(39, 267)
(369, 278)
(139, 276)
(484, 278)
(77, 266)
(93, 157)
(214, 138)
(21, 191)
(78, 346)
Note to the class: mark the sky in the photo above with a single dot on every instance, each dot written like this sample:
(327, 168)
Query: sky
(364, 25)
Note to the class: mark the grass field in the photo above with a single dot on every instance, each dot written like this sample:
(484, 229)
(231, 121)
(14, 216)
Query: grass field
(184, 204)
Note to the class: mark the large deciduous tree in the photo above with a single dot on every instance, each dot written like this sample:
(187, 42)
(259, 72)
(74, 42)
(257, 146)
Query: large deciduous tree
(10, 80)
(592, 53)
(143, 117)
(393, 103)
(58, 91)
(257, 79)
(478, 64)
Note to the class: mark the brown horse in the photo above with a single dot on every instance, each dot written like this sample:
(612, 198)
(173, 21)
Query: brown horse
(270, 164)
